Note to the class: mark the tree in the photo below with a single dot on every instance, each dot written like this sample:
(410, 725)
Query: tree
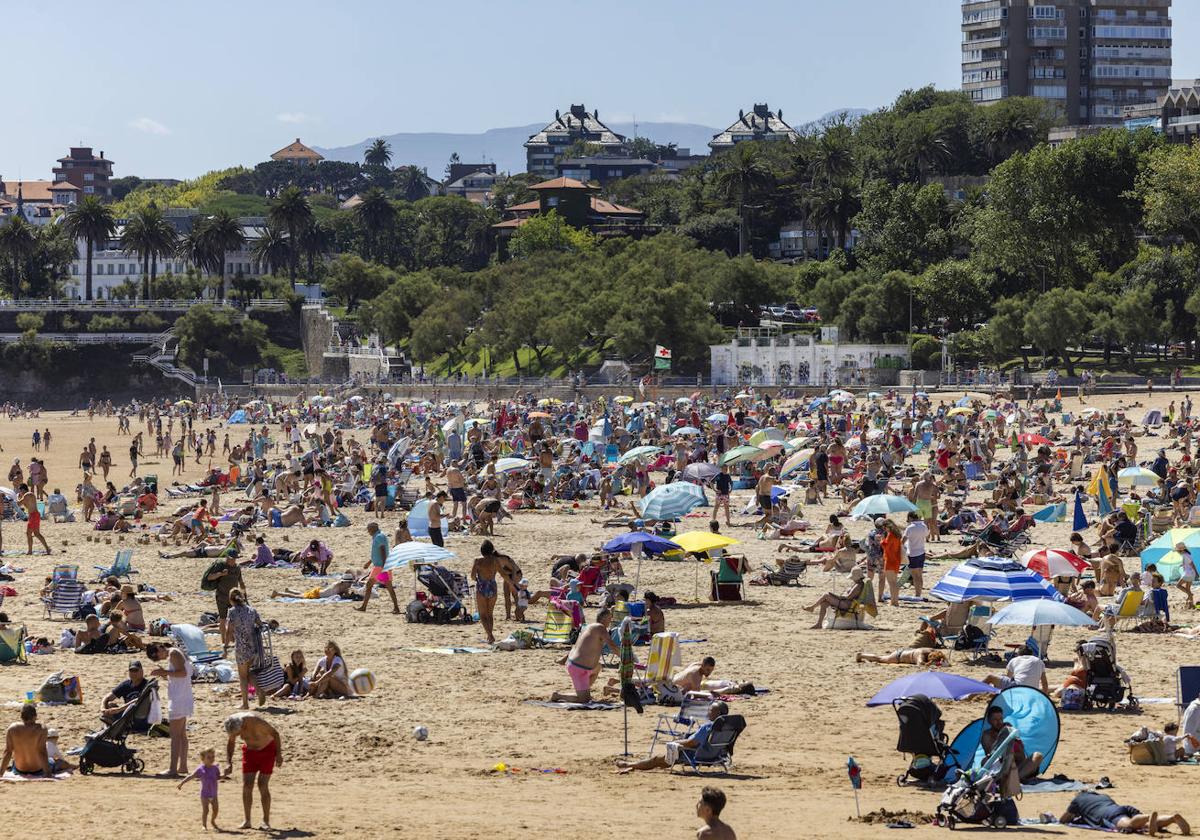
(1057, 322)
(18, 242)
(548, 232)
(316, 241)
(411, 184)
(149, 235)
(391, 313)
(742, 174)
(957, 291)
(229, 341)
(198, 248)
(379, 153)
(902, 227)
(271, 249)
(223, 234)
(92, 221)
(375, 214)
(292, 212)
(832, 208)
(1169, 187)
(351, 279)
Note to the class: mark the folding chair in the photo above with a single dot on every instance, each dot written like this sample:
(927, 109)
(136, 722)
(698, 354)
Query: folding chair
(121, 566)
(1187, 686)
(12, 645)
(793, 568)
(65, 571)
(1129, 610)
(977, 647)
(854, 617)
(559, 628)
(683, 723)
(191, 640)
(664, 655)
(718, 752)
(66, 598)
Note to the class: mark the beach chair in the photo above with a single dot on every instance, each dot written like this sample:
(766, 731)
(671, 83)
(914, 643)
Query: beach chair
(685, 721)
(558, 629)
(12, 645)
(974, 644)
(1039, 641)
(855, 617)
(718, 752)
(727, 583)
(120, 567)
(664, 655)
(1129, 611)
(65, 598)
(793, 568)
(190, 639)
(65, 571)
(1187, 686)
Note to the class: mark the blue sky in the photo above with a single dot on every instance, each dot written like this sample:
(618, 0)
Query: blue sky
(174, 89)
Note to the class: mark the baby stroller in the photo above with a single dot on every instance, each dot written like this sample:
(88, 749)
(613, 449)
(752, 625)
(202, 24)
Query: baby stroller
(1107, 683)
(443, 602)
(922, 735)
(106, 748)
(975, 796)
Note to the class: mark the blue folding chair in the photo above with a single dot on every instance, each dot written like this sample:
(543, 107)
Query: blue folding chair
(718, 751)
(1187, 686)
(121, 566)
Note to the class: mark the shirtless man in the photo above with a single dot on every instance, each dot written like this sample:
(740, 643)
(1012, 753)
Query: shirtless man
(458, 491)
(925, 497)
(33, 527)
(583, 662)
(709, 808)
(762, 492)
(435, 519)
(25, 746)
(262, 752)
(483, 572)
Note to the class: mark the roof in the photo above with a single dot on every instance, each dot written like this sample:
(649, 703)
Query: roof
(511, 223)
(533, 206)
(30, 190)
(561, 184)
(352, 202)
(297, 151)
(759, 122)
(607, 208)
(578, 124)
(64, 186)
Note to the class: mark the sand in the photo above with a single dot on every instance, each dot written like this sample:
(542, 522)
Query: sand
(353, 768)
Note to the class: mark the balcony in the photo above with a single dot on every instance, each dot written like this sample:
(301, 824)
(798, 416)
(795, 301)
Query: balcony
(1184, 119)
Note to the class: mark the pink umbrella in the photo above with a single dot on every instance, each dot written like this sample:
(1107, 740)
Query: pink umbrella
(1052, 563)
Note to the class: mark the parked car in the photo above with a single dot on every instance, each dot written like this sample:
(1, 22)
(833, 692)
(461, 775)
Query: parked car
(810, 316)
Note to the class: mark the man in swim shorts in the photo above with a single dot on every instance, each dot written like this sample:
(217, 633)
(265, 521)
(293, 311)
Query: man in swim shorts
(583, 662)
(262, 752)
(33, 527)
(379, 555)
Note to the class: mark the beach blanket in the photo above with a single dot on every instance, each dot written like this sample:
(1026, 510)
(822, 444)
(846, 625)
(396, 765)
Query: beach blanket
(332, 599)
(447, 650)
(10, 776)
(1054, 786)
(594, 706)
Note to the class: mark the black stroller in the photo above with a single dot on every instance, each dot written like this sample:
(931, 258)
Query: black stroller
(106, 748)
(922, 735)
(1108, 685)
(443, 601)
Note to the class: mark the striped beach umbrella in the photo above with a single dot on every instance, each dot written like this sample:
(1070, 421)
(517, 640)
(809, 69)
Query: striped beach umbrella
(1052, 563)
(992, 579)
(406, 554)
(673, 500)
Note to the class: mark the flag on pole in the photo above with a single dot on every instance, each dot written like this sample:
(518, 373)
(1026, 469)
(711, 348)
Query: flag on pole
(662, 357)
(855, 773)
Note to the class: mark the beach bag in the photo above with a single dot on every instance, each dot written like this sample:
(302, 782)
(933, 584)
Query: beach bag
(159, 627)
(268, 675)
(1148, 752)
(211, 585)
(969, 638)
(1072, 699)
(61, 689)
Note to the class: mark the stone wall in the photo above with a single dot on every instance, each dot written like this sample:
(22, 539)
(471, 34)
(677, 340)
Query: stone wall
(316, 332)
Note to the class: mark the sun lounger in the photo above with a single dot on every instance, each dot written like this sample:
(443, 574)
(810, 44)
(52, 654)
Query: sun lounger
(191, 640)
(1129, 611)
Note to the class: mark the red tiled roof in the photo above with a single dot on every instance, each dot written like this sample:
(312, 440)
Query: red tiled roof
(511, 223)
(30, 190)
(561, 184)
(607, 208)
(528, 206)
(297, 151)
(64, 186)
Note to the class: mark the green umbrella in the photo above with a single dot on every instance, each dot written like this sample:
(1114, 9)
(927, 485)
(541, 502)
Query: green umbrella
(639, 453)
(743, 453)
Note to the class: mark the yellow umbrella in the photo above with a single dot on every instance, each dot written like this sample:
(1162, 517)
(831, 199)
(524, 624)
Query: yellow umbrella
(960, 410)
(695, 541)
(622, 400)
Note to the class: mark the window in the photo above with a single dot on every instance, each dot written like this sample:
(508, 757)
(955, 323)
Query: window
(1132, 32)
(89, 189)
(1050, 91)
(552, 201)
(121, 268)
(1048, 33)
(1045, 13)
(989, 94)
(89, 176)
(1130, 71)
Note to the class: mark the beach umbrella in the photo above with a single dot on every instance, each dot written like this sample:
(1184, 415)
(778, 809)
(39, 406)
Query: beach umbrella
(840, 392)
(743, 453)
(622, 400)
(874, 395)
(992, 579)
(650, 543)
(512, 465)
(875, 435)
(539, 415)
(744, 396)
(817, 403)
(1137, 477)
(961, 411)
(881, 504)
(398, 450)
(1162, 550)
(700, 471)
(771, 447)
(700, 541)
(683, 401)
(638, 453)
(937, 685)
(671, 501)
(408, 553)
(769, 434)
(1033, 440)
(1052, 563)
(718, 417)
(990, 414)
(795, 462)
(963, 402)
(1079, 520)
(1038, 612)
(547, 401)
(685, 431)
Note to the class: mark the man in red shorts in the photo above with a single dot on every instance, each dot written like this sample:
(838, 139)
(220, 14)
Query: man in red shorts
(33, 527)
(262, 752)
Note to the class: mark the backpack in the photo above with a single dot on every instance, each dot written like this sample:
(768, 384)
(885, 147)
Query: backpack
(970, 638)
(211, 585)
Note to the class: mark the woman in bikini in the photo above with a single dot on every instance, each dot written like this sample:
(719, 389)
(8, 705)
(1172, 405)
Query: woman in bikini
(906, 656)
(837, 457)
(483, 572)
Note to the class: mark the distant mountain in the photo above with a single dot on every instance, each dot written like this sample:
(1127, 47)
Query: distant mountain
(504, 146)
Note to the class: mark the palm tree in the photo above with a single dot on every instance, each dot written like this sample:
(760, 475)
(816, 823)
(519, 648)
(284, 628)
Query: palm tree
(924, 147)
(91, 221)
(833, 155)
(375, 215)
(138, 238)
(316, 240)
(198, 248)
(163, 241)
(292, 212)
(18, 240)
(271, 250)
(833, 207)
(1008, 131)
(379, 153)
(223, 233)
(743, 172)
(410, 183)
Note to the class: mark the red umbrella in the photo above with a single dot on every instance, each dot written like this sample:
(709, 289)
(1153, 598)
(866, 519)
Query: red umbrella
(1033, 440)
(1052, 563)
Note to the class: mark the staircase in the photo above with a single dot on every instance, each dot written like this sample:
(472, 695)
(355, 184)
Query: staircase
(161, 356)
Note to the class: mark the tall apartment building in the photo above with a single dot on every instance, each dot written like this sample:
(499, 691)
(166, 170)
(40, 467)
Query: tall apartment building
(1088, 57)
(86, 171)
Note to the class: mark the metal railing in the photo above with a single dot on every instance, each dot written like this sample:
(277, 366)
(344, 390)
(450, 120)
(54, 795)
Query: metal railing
(88, 338)
(35, 305)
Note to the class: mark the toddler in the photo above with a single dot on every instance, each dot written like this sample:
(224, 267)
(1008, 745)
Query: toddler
(209, 774)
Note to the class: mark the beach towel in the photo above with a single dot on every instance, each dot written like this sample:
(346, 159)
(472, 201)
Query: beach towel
(1055, 785)
(594, 706)
(10, 776)
(332, 599)
(447, 650)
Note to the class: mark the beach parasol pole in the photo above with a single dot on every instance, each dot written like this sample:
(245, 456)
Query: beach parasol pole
(855, 773)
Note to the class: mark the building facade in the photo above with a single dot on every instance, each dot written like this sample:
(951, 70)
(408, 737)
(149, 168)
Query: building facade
(85, 171)
(575, 126)
(759, 356)
(298, 153)
(759, 123)
(1089, 58)
(603, 168)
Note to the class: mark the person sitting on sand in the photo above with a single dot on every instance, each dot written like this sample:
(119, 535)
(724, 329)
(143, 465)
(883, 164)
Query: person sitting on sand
(654, 614)
(331, 679)
(583, 662)
(1098, 810)
(840, 603)
(315, 558)
(295, 684)
(25, 746)
(694, 742)
(923, 657)
(1023, 669)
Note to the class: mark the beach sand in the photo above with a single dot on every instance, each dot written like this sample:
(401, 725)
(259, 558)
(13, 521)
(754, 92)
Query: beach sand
(353, 767)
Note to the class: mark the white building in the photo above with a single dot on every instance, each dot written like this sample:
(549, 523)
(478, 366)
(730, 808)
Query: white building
(756, 356)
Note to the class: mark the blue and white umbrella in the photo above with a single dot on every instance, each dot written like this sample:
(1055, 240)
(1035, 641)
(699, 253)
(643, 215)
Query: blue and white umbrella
(992, 579)
(408, 553)
(881, 504)
(673, 500)
(398, 450)
(650, 543)
(512, 465)
(718, 417)
(686, 430)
